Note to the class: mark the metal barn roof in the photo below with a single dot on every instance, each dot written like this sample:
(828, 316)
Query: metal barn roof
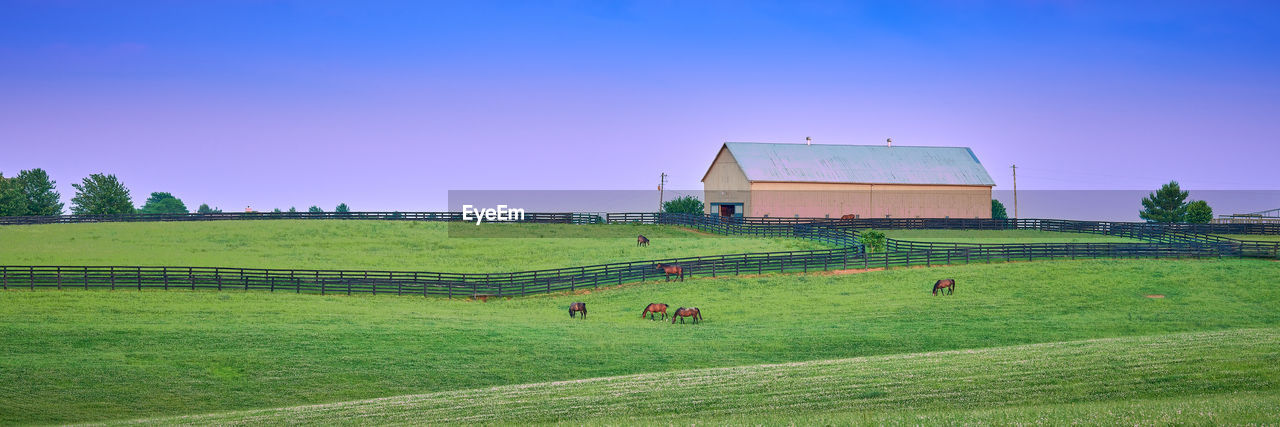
(868, 164)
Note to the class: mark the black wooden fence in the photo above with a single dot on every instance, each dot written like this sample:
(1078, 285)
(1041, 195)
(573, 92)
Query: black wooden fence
(563, 279)
(1162, 242)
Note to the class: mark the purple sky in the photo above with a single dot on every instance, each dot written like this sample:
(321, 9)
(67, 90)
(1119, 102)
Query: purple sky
(278, 104)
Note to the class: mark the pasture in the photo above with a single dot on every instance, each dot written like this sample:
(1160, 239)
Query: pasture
(79, 355)
(1002, 236)
(364, 245)
(1029, 378)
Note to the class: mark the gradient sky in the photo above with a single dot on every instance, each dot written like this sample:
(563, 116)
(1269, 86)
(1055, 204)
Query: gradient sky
(387, 105)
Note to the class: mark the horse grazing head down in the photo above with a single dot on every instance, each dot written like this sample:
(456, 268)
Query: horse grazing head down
(945, 285)
(653, 309)
(578, 307)
(684, 312)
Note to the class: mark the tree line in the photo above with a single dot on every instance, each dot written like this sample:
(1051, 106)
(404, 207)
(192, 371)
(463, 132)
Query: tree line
(31, 192)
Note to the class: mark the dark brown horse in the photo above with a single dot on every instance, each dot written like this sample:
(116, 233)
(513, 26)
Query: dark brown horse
(653, 309)
(672, 270)
(848, 216)
(578, 307)
(947, 286)
(682, 313)
(642, 241)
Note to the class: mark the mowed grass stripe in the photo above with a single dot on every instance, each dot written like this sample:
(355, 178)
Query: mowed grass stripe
(1220, 409)
(1187, 364)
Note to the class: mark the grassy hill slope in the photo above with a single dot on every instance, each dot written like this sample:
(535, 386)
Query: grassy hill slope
(364, 245)
(1166, 366)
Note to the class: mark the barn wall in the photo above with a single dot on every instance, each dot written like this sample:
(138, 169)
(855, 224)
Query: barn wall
(931, 201)
(725, 182)
(789, 199)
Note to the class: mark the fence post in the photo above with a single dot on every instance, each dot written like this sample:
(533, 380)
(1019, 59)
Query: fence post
(58, 271)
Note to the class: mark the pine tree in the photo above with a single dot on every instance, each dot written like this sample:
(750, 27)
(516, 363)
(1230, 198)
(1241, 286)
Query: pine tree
(1168, 204)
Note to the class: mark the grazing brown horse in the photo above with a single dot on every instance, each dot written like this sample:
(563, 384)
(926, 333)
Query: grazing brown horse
(848, 216)
(653, 309)
(947, 286)
(672, 270)
(682, 313)
(578, 307)
(642, 241)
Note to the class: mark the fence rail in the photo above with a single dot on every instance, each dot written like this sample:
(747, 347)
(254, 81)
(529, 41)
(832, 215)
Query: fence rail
(533, 282)
(1162, 241)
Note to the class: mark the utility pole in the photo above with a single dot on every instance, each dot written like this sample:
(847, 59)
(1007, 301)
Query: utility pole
(662, 183)
(1015, 191)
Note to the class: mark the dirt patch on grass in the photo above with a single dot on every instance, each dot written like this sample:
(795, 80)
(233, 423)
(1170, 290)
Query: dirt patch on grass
(1154, 296)
(699, 232)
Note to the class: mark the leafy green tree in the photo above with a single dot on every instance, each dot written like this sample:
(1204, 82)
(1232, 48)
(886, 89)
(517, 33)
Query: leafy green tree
(12, 203)
(293, 209)
(276, 210)
(163, 203)
(314, 209)
(101, 194)
(1168, 204)
(997, 210)
(1199, 212)
(342, 208)
(205, 209)
(685, 204)
(873, 241)
(38, 190)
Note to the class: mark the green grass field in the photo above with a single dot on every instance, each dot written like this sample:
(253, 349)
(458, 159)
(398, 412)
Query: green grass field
(1002, 236)
(363, 245)
(102, 355)
(1202, 365)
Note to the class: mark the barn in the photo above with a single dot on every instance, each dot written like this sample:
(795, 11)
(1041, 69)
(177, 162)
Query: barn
(826, 180)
